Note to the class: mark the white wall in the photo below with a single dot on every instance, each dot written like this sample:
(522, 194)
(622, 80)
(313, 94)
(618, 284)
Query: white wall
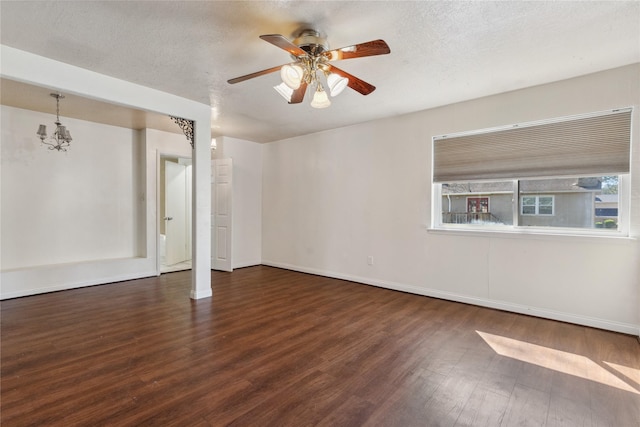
(334, 198)
(247, 198)
(73, 206)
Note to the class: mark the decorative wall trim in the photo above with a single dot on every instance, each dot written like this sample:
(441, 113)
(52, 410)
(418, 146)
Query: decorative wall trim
(482, 302)
(186, 126)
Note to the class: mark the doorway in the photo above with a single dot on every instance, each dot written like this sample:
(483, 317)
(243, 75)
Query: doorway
(477, 204)
(174, 243)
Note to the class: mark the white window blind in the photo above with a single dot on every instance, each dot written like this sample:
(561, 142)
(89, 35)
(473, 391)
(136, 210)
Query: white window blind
(593, 145)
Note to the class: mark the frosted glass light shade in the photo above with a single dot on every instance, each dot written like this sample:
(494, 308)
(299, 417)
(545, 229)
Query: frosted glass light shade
(292, 75)
(285, 91)
(320, 99)
(336, 84)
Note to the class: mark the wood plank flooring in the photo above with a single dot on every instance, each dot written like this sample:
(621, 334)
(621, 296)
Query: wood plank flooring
(280, 348)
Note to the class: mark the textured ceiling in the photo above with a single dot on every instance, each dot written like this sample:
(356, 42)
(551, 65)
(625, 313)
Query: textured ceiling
(441, 52)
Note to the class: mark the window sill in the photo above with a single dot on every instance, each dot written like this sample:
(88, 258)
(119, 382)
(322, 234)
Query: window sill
(512, 233)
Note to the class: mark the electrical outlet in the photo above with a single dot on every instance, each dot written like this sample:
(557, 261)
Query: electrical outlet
(370, 260)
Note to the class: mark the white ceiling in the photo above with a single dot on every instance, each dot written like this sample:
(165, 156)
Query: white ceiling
(442, 52)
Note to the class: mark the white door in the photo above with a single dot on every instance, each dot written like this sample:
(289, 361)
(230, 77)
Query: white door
(176, 226)
(222, 219)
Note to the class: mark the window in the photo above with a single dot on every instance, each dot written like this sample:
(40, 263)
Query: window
(559, 174)
(536, 205)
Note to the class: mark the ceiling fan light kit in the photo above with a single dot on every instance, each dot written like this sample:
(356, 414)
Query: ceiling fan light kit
(312, 56)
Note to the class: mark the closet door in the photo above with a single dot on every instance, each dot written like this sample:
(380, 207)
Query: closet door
(222, 218)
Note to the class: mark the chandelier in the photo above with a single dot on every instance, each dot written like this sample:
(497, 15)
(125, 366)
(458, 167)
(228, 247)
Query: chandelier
(61, 138)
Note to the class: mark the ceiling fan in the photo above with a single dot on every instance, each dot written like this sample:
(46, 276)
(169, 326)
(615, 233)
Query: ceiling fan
(312, 57)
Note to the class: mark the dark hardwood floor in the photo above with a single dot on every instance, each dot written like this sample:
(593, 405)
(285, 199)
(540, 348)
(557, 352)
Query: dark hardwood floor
(280, 348)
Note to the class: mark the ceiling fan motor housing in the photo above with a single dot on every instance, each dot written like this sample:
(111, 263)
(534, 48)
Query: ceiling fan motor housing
(311, 42)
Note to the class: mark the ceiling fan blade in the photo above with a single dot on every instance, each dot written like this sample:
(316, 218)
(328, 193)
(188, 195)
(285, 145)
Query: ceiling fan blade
(354, 82)
(298, 94)
(374, 47)
(283, 43)
(256, 74)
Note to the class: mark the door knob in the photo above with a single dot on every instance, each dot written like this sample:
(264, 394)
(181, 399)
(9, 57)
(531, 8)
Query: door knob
(168, 218)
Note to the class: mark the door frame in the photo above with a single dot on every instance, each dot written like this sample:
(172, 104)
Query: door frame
(160, 154)
(177, 204)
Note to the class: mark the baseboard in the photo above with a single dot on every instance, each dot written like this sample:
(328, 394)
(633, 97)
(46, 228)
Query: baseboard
(500, 305)
(206, 293)
(76, 285)
(244, 264)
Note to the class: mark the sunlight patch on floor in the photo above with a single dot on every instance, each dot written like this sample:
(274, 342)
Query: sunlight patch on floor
(560, 361)
(631, 373)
